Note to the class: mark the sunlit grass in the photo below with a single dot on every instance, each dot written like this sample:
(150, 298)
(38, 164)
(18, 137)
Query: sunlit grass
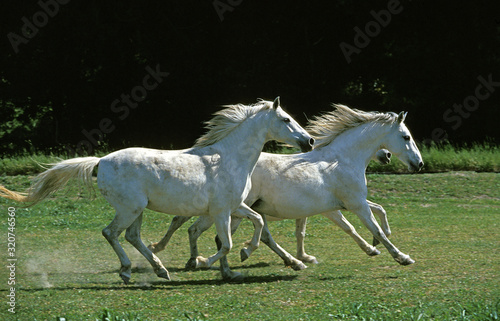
(447, 222)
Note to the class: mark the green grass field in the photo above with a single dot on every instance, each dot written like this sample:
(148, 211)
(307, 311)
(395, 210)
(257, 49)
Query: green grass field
(447, 222)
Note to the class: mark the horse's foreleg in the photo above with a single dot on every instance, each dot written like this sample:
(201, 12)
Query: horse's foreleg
(300, 235)
(202, 224)
(379, 210)
(176, 223)
(133, 235)
(346, 226)
(222, 226)
(258, 223)
(364, 213)
(225, 270)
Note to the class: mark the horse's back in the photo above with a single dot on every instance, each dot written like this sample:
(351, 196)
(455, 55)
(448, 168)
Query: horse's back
(290, 186)
(161, 178)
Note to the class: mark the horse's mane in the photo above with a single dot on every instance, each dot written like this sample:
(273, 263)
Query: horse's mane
(227, 119)
(325, 128)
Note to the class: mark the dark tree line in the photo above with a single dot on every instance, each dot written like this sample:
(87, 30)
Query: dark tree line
(81, 76)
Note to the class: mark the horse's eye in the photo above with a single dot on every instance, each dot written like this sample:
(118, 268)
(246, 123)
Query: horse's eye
(286, 120)
(406, 137)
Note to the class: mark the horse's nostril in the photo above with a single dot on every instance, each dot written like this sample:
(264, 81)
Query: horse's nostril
(389, 155)
(311, 141)
(421, 164)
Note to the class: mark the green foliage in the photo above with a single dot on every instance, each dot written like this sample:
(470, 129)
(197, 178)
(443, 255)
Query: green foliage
(107, 315)
(443, 158)
(477, 157)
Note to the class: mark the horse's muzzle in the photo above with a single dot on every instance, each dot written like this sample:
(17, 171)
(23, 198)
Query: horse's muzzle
(416, 167)
(307, 145)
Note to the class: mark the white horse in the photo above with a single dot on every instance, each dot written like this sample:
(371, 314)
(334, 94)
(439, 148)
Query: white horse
(210, 179)
(332, 177)
(383, 156)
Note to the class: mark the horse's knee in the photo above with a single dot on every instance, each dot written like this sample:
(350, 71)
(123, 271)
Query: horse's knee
(107, 233)
(300, 232)
(191, 229)
(348, 229)
(258, 223)
(265, 238)
(379, 235)
(225, 248)
(132, 236)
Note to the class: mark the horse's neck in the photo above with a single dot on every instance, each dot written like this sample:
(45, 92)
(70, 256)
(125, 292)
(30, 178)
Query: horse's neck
(241, 149)
(358, 145)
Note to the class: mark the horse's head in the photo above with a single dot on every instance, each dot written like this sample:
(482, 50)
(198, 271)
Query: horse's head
(285, 129)
(401, 143)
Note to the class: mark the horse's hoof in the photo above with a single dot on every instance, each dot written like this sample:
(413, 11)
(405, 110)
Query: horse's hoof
(126, 279)
(298, 266)
(152, 247)
(201, 262)
(373, 252)
(375, 242)
(191, 264)
(309, 259)
(404, 259)
(244, 254)
(163, 274)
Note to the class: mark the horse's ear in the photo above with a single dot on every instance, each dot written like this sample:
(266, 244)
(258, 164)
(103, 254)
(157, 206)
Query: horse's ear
(402, 116)
(276, 103)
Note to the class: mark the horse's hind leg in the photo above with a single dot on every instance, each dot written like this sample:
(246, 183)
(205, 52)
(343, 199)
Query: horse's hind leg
(300, 235)
(133, 235)
(111, 233)
(382, 215)
(176, 223)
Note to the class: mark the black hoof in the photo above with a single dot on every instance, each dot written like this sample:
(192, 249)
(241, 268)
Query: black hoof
(191, 264)
(126, 279)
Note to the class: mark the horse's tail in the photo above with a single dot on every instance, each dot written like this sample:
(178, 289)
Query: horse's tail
(54, 179)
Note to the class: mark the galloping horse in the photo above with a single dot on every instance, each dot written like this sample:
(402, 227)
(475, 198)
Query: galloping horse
(210, 179)
(330, 178)
(382, 156)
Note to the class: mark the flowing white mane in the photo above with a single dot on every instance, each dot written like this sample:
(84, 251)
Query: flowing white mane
(227, 119)
(325, 128)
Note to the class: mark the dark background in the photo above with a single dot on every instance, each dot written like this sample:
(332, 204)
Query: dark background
(65, 78)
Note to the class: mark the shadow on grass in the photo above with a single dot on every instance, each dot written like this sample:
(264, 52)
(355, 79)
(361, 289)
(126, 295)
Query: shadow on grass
(161, 284)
